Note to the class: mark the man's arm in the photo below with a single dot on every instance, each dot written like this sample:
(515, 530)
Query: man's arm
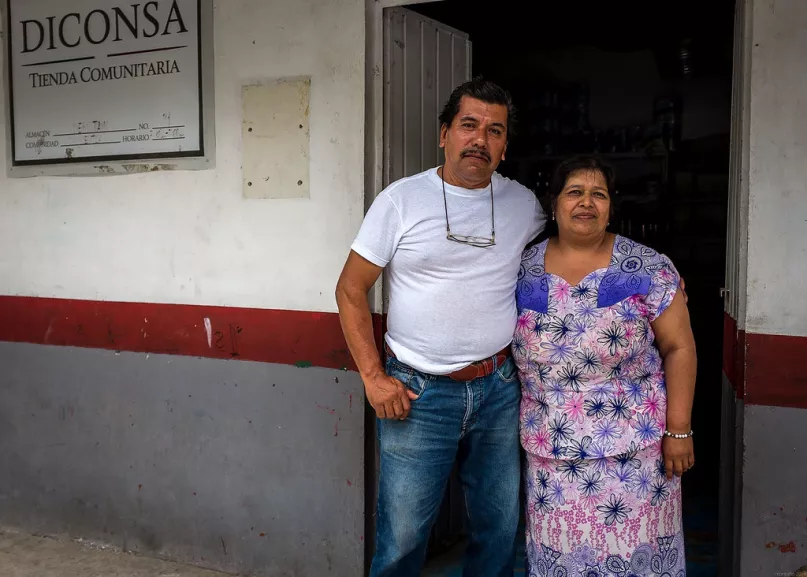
(388, 396)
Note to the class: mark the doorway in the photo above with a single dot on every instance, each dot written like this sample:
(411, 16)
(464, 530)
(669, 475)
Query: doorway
(649, 88)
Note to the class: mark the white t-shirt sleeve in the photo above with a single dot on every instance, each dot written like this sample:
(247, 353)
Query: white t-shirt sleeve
(538, 222)
(380, 232)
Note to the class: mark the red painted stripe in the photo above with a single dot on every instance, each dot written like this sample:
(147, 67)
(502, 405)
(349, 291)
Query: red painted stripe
(775, 371)
(729, 348)
(765, 369)
(769, 369)
(734, 344)
(379, 330)
(740, 365)
(272, 336)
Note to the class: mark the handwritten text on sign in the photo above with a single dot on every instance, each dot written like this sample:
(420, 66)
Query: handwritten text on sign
(94, 79)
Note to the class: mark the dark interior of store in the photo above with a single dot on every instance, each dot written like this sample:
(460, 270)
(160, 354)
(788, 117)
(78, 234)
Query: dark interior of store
(648, 86)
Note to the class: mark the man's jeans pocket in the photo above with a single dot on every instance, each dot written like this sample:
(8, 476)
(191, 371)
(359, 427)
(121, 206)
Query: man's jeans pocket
(508, 372)
(412, 379)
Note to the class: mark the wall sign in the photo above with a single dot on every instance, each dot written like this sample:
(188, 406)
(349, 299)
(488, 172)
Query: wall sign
(94, 80)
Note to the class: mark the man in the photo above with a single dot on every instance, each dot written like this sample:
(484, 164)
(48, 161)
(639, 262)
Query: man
(451, 240)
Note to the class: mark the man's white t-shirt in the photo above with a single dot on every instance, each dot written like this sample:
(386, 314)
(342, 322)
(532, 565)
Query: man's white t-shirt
(450, 304)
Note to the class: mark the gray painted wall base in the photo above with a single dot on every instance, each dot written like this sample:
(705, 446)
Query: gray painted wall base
(774, 507)
(243, 467)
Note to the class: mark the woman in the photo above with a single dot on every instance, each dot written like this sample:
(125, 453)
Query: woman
(607, 364)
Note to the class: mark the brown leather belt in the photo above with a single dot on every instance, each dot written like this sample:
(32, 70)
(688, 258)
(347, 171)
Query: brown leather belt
(475, 370)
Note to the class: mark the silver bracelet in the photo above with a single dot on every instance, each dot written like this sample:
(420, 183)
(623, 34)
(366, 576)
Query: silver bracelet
(678, 435)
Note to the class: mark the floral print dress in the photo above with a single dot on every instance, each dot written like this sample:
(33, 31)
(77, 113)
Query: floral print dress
(593, 414)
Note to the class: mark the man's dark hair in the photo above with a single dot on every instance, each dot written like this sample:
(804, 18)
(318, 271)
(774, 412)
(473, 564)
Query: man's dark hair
(480, 89)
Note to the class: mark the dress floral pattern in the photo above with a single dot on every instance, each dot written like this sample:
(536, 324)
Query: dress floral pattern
(592, 417)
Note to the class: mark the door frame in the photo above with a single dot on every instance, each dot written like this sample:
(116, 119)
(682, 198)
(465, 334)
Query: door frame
(734, 294)
(374, 109)
(373, 185)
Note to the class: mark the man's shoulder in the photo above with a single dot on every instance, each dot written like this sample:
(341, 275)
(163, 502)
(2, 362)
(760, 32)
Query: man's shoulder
(402, 186)
(514, 187)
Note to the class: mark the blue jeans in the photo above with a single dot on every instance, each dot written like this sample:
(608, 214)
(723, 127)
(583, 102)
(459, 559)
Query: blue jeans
(474, 424)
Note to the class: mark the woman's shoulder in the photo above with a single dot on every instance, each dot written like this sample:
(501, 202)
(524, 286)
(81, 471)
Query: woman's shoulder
(535, 250)
(637, 270)
(630, 256)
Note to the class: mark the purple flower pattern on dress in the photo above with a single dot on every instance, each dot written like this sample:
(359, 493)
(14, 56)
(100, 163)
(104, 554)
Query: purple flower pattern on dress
(592, 362)
(592, 414)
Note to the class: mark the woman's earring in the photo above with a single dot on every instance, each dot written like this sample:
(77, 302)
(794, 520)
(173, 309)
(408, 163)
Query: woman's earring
(553, 215)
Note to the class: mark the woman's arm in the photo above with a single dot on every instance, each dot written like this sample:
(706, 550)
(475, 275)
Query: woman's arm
(677, 347)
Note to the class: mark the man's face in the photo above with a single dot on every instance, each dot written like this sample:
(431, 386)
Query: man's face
(476, 141)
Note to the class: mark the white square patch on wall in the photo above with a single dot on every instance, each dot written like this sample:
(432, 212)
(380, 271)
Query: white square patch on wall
(276, 139)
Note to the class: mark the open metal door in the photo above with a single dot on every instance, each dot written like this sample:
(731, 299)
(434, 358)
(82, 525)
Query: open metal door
(734, 298)
(424, 61)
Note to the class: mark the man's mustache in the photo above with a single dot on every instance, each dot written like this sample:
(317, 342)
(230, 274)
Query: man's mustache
(475, 152)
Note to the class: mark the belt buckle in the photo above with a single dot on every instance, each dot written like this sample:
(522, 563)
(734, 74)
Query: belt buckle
(481, 369)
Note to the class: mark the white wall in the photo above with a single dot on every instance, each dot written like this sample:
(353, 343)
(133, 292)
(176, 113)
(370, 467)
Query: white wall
(777, 235)
(191, 237)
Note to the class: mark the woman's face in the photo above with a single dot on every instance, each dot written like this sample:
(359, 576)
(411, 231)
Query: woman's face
(583, 207)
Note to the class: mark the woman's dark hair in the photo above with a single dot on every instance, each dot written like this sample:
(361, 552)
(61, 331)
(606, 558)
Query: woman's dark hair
(574, 164)
(558, 181)
(484, 90)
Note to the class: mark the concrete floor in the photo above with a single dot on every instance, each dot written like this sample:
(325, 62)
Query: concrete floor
(23, 555)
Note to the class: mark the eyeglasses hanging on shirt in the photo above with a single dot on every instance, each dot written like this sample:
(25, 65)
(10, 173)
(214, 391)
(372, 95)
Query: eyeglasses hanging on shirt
(477, 241)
